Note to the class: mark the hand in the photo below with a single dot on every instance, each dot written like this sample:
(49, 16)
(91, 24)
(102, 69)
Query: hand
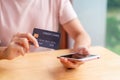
(68, 63)
(19, 45)
(82, 50)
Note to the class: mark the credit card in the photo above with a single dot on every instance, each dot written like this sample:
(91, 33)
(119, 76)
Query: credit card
(47, 38)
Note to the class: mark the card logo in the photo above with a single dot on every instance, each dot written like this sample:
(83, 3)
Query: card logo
(36, 35)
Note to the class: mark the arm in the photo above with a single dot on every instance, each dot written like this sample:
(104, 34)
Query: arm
(82, 41)
(77, 32)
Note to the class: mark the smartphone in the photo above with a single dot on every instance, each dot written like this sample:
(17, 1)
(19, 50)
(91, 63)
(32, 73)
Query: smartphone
(83, 58)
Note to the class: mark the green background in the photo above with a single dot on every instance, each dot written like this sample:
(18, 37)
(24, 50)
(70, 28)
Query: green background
(113, 26)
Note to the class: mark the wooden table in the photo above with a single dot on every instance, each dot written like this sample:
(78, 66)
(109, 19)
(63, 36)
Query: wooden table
(45, 66)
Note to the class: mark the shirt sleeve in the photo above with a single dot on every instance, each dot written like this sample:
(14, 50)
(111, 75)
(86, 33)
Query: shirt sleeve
(66, 12)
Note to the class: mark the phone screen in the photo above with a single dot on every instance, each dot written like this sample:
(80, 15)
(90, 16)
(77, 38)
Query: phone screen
(80, 57)
(75, 55)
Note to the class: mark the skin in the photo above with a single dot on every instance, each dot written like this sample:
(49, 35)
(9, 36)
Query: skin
(20, 43)
(81, 45)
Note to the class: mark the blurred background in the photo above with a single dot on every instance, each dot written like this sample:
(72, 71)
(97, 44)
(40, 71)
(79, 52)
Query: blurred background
(101, 19)
(113, 26)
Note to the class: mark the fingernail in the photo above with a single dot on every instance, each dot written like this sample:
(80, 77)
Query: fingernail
(65, 59)
(37, 45)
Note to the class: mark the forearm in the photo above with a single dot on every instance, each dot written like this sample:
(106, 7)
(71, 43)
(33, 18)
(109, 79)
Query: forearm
(82, 39)
(77, 32)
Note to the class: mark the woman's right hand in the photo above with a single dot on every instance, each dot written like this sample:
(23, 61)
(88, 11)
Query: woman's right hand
(19, 45)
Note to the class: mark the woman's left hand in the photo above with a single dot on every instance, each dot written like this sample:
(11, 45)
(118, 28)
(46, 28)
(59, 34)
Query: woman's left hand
(68, 63)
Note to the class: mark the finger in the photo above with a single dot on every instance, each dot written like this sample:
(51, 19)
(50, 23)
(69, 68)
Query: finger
(83, 50)
(67, 63)
(75, 64)
(63, 59)
(75, 61)
(23, 42)
(86, 51)
(20, 50)
(13, 50)
(29, 37)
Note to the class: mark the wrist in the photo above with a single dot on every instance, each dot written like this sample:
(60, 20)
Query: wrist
(3, 52)
(81, 46)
